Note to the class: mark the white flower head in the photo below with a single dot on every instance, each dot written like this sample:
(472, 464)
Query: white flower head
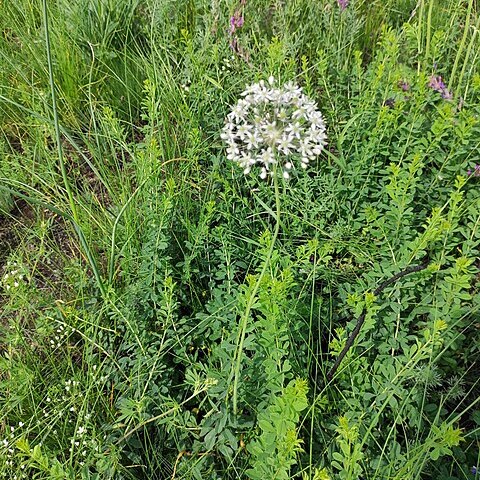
(270, 126)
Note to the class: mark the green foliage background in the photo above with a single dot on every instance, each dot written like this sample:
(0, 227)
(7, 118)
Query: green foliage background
(128, 255)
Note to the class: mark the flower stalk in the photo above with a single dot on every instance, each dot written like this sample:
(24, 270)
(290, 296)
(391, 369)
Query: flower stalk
(251, 298)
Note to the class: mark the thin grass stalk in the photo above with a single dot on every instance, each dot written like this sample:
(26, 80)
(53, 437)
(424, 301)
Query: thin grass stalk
(61, 161)
(56, 123)
(419, 35)
(467, 56)
(111, 269)
(461, 46)
(429, 30)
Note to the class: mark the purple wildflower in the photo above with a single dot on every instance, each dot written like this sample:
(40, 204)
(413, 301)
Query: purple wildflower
(343, 4)
(447, 95)
(436, 83)
(475, 172)
(236, 21)
(404, 85)
(474, 470)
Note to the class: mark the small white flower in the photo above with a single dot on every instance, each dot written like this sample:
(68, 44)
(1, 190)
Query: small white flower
(295, 129)
(300, 113)
(316, 120)
(227, 134)
(292, 89)
(285, 144)
(253, 140)
(306, 149)
(282, 115)
(266, 157)
(243, 130)
(304, 161)
(239, 111)
(232, 153)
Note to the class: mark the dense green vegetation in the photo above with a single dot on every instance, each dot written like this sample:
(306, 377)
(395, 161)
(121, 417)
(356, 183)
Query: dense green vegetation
(164, 316)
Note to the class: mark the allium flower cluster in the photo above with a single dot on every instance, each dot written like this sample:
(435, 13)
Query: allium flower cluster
(270, 126)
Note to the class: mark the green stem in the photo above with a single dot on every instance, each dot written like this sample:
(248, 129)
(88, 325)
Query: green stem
(419, 34)
(429, 30)
(467, 57)
(461, 46)
(251, 297)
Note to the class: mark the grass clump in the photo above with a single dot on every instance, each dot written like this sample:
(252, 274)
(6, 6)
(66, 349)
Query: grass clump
(164, 315)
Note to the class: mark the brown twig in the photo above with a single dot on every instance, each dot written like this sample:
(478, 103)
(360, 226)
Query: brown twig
(361, 318)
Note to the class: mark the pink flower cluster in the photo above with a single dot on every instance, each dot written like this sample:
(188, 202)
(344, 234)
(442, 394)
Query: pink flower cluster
(436, 83)
(236, 22)
(475, 172)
